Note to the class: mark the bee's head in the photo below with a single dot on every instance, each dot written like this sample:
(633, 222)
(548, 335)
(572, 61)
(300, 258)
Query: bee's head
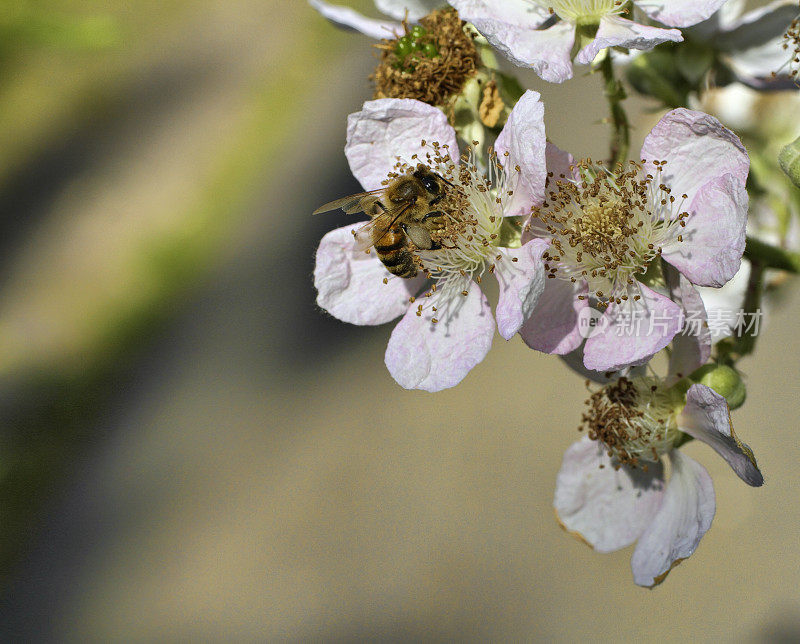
(429, 180)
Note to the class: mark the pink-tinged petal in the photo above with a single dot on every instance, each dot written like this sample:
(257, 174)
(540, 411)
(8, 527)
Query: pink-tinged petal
(632, 335)
(350, 19)
(691, 348)
(391, 128)
(350, 283)
(434, 356)
(553, 327)
(416, 8)
(524, 140)
(520, 274)
(560, 163)
(698, 149)
(679, 13)
(523, 13)
(619, 32)
(713, 239)
(574, 360)
(706, 417)
(605, 507)
(684, 517)
(546, 51)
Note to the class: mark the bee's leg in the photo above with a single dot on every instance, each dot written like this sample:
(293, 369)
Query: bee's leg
(419, 236)
(434, 221)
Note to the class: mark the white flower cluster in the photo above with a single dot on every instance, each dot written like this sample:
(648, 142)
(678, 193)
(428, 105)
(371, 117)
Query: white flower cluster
(605, 264)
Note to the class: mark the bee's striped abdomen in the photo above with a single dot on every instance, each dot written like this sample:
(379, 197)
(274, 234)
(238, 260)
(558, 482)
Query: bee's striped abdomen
(394, 251)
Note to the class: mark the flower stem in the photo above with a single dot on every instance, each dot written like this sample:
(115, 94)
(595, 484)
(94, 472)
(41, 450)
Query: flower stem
(752, 307)
(615, 93)
(769, 256)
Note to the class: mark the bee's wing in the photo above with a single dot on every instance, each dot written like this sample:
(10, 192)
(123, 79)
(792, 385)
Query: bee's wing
(371, 232)
(352, 203)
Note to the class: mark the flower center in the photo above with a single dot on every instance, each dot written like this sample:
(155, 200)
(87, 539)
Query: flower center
(469, 220)
(582, 12)
(474, 210)
(634, 419)
(605, 228)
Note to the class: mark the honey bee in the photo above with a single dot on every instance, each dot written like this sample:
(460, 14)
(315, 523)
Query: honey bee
(403, 218)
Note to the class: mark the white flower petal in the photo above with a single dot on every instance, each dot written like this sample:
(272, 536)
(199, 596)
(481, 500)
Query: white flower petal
(606, 508)
(547, 51)
(350, 19)
(350, 283)
(389, 128)
(524, 140)
(706, 417)
(632, 336)
(679, 13)
(698, 149)
(684, 517)
(520, 274)
(424, 355)
(619, 32)
(692, 346)
(714, 237)
(416, 8)
(523, 13)
(553, 325)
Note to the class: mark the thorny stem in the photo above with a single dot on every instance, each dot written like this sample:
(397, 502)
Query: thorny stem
(615, 93)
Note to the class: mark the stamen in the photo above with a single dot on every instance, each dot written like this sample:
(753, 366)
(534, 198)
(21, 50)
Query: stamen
(791, 44)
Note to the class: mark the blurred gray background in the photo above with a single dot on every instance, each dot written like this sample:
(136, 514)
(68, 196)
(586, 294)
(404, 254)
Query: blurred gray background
(192, 450)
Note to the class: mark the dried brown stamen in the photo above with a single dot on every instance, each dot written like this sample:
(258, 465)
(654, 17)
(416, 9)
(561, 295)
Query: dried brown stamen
(633, 420)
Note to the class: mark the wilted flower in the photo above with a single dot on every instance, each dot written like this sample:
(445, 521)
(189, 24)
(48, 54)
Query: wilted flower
(611, 490)
(448, 327)
(685, 203)
(545, 35)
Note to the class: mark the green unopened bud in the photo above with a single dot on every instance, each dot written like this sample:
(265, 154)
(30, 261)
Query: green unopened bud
(404, 47)
(429, 50)
(725, 380)
(789, 158)
(417, 32)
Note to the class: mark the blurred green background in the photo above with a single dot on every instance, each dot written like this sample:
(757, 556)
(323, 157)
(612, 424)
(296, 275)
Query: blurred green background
(190, 449)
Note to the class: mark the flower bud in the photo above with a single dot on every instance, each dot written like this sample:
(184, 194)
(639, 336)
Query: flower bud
(725, 380)
(789, 158)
